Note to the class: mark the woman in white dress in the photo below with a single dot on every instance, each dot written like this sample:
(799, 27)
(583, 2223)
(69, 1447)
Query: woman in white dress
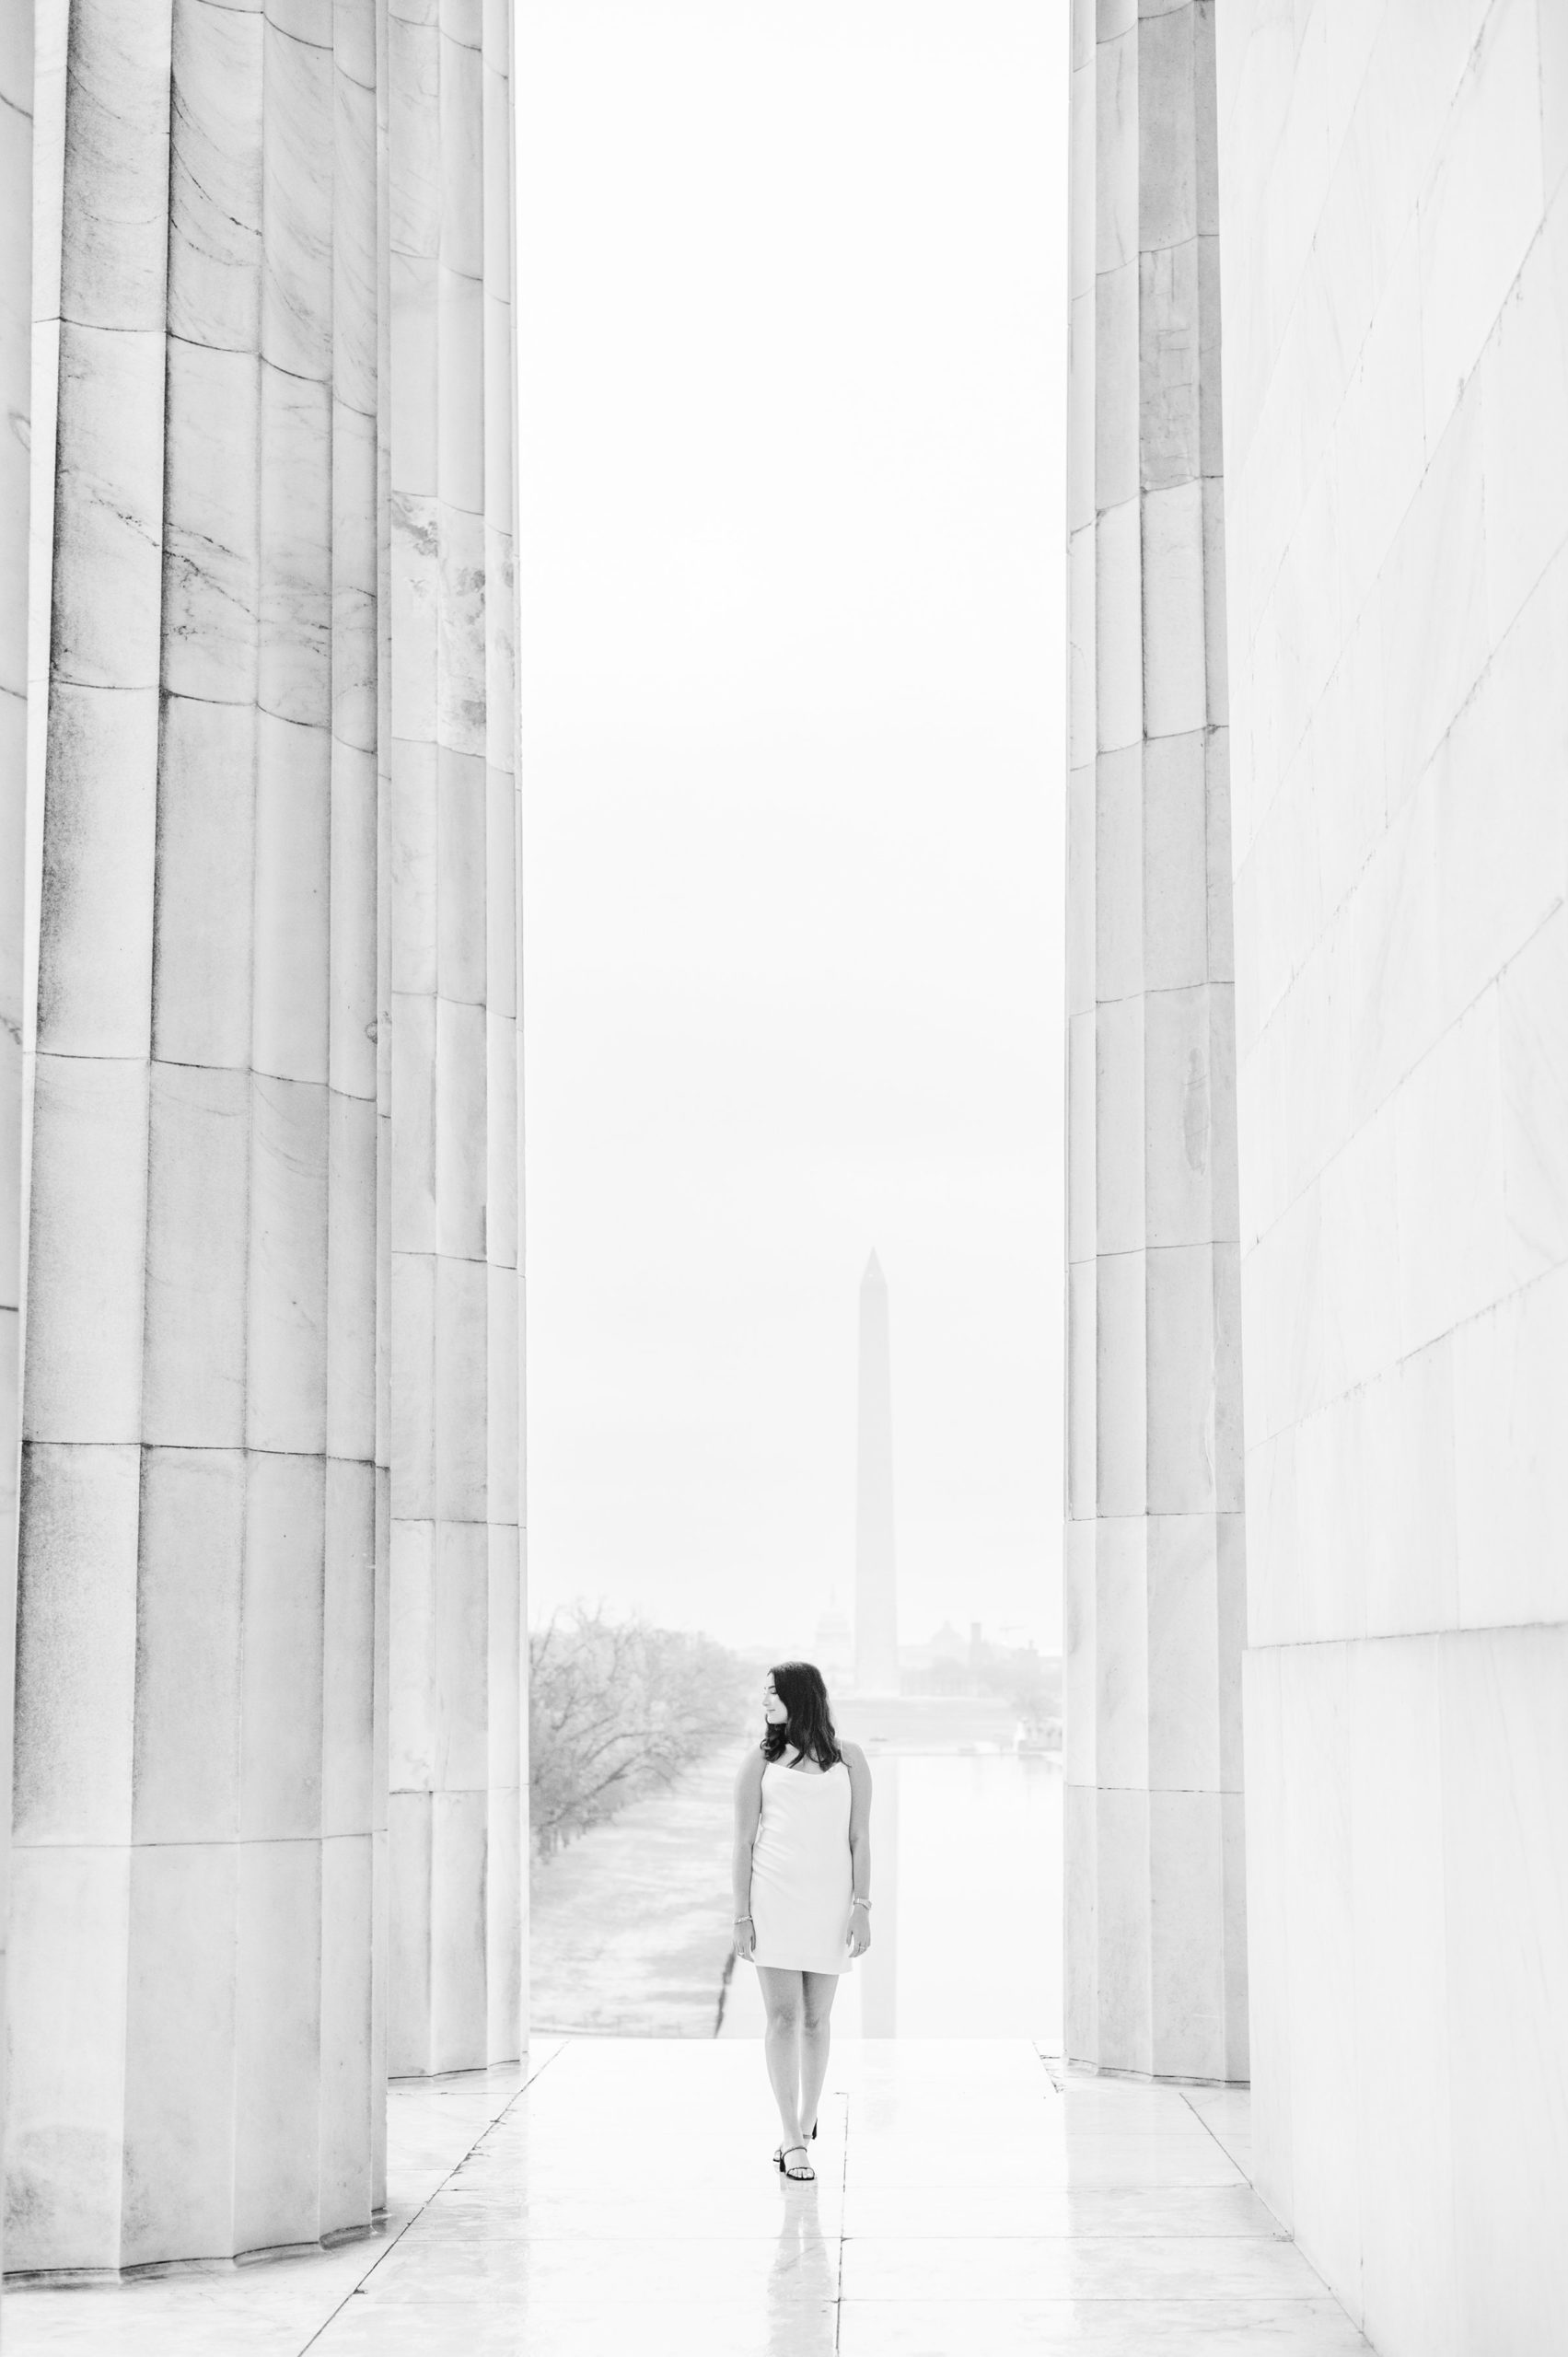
(802, 1887)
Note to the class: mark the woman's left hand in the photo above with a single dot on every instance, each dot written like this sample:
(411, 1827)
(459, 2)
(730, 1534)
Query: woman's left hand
(859, 1930)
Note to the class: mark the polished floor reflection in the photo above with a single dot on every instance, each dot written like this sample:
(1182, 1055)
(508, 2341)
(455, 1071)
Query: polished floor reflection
(967, 2200)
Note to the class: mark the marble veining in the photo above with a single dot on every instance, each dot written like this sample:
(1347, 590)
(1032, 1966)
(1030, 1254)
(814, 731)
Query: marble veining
(214, 198)
(297, 210)
(113, 255)
(211, 555)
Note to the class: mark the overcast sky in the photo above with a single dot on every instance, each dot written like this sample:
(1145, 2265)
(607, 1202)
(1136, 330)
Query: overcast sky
(792, 303)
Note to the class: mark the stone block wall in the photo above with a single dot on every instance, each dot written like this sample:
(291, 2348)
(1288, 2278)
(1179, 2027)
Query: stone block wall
(16, 405)
(1394, 241)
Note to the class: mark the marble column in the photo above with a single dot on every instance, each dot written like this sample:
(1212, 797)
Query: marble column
(16, 404)
(1154, 1611)
(457, 1841)
(194, 2044)
(875, 1569)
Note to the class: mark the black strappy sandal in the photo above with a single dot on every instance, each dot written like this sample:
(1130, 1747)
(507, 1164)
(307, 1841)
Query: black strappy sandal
(807, 2176)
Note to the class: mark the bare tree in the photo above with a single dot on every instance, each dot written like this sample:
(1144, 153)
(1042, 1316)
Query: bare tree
(618, 1707)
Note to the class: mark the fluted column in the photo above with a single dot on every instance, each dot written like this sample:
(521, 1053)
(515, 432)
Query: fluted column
(191, 2036)
(16, 405)
(1153, 1599)
(456, 1312)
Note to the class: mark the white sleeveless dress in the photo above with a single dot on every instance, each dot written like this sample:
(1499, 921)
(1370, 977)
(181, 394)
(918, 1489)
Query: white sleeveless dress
(800, 1870)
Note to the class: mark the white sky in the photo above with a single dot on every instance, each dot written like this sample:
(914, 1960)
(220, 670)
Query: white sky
(791, 309)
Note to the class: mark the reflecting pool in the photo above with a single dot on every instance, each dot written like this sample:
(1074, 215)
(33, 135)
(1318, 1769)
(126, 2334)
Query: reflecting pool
(631, 1923)
(967, 1920)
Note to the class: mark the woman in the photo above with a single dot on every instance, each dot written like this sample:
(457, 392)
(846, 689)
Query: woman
(802, 1887)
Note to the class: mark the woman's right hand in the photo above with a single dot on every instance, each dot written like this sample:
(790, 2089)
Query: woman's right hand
(745, 1939)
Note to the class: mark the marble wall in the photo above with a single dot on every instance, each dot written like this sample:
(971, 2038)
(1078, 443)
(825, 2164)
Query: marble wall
(16, 404)
(245, 596)
(1154, 1556)
(1394, 234)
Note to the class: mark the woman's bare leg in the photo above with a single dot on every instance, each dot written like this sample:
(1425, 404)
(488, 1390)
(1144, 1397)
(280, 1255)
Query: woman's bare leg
(784, 1995)
(820, 1989)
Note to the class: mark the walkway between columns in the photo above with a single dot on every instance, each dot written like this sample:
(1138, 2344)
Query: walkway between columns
(965, 2203)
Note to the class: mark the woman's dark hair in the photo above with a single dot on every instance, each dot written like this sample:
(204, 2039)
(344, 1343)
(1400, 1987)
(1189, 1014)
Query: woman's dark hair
(810, 1727)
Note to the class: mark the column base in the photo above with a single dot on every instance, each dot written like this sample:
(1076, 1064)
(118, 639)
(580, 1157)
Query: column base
(46, 2279)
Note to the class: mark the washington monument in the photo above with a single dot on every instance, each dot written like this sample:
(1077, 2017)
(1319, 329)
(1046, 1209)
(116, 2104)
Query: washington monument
(876, 1577)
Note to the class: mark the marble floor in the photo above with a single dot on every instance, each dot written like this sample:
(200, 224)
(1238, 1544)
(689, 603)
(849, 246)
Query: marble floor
(970, 2203)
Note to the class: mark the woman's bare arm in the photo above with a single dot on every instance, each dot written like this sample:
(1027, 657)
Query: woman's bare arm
(748, 1816)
